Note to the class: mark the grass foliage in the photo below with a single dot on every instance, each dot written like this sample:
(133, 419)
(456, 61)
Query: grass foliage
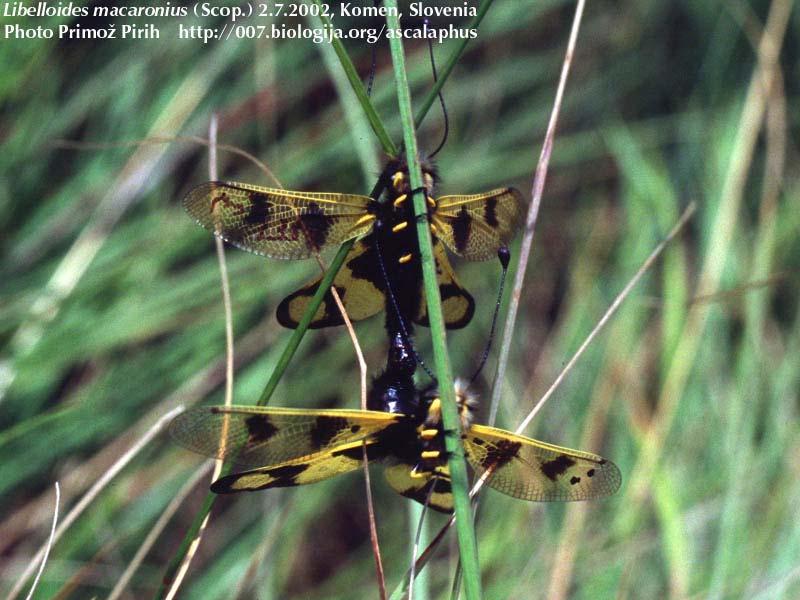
(111, 313)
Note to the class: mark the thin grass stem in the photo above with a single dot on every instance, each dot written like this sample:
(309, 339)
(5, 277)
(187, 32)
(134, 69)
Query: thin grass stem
(229, 356)
(152, 536)
(468, 549)
(48, 545)
(537, 190)
(94, 491)
(684, 218)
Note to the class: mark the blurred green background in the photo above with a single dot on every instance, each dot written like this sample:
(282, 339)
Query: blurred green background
(111, 311)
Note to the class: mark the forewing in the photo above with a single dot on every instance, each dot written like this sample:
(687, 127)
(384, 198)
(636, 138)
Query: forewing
(309, 469)
(419, 488)
(357, 284)
(259, 436)
(458, 305)
(533, 470)
(476, 226)
(278, 223)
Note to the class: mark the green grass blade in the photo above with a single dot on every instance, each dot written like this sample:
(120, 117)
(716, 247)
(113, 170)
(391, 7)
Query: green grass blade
(468, 549)
(358, 87)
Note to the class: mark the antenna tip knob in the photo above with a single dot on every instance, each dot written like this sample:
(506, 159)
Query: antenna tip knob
(504, 254)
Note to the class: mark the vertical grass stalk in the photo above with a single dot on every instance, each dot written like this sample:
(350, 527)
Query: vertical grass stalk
(467, 546)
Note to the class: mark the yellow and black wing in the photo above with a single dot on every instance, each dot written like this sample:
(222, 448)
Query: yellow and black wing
(362, 288)
(417, 486)
(458, 305)
(533, 470)
(264, 436)
(278, 223)
(300, 471)
(358, 282)
(476, 226)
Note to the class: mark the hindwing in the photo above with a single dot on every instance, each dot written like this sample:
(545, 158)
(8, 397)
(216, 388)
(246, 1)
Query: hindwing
(362, 289)
(309, 469)
(422, 487)
(458, 305)
(359, 284)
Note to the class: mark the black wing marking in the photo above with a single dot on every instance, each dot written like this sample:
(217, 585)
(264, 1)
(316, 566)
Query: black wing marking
(278, 223)
(532, 470)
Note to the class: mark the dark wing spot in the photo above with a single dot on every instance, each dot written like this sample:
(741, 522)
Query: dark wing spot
(553, 468)
(590, 473)
(259, 428)
(575, 480)
(221, 198)
(284, 476)
(356, 453)
(325, 429)
(313, 225)
(281, 477)
(461, 229)
(260, 209)
(502, 452)
(442, 486)
(490, 212)
(365, 266)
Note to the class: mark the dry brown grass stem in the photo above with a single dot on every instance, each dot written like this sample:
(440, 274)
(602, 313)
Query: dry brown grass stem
(362, 367)
(229, 356)
(158, 527)
(537, 190)
(682, 220)
(94, 491)
(48, 545)
(164, 139)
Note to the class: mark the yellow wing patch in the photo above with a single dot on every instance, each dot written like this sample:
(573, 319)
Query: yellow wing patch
(257, 436)
(361, 295)
(418, 488)
(278, 223)
(532, 470)
(361, 287)
(310, 469)
(476, 226)
(297, 447)
(458, 305)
